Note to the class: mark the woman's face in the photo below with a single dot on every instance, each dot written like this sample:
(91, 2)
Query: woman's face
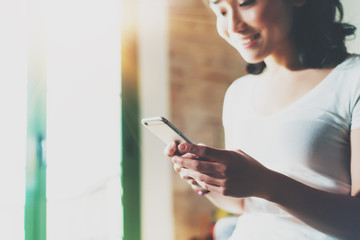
(256, 28)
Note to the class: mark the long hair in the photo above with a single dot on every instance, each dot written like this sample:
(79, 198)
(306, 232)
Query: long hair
(319, 35)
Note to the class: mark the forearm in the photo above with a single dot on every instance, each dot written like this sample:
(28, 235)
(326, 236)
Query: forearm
(334, 214)
(229, 204)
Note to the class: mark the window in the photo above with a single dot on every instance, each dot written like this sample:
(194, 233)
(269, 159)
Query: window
(60, 120)
(13, 74)
(83, 120)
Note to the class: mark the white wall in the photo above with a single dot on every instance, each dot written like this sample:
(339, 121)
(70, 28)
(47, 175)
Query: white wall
(351, 10)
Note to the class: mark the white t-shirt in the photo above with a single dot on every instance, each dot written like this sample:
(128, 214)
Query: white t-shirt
(308, 141)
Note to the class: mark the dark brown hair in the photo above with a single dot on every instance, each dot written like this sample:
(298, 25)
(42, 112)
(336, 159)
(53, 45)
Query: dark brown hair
(319, 35)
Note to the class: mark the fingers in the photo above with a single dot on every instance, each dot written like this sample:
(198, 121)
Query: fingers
(213, 169)
(203, 184)
(203, 176)
(202, 151)
(202, 179)
(177, 168)
(170, 149)
(198, 189)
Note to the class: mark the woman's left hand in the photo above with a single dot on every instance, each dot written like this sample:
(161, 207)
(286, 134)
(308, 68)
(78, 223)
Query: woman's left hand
(230, 173)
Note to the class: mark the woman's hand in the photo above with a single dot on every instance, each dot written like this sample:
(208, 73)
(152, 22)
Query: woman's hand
(229, 173)
(171, 150)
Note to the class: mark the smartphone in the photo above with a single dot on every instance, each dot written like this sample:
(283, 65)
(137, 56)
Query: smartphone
(165, 130)
(168, 133)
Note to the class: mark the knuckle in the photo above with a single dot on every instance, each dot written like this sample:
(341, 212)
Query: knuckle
(199, 166)
(193, 182)
(202, 178)
(177, 168)
(225, 170)
(179, 161)
(186, 155)
(205, 151)
(225, 183)
(182, 176)
(225, 191)
(222, 171)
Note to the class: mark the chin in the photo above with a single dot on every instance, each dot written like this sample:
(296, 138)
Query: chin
(251, 58)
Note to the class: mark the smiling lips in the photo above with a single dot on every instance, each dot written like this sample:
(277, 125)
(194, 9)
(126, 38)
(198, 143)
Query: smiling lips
(248, 42)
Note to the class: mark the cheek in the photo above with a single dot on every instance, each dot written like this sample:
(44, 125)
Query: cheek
(278, 18)
(261, 17)
(268, 13)
(254, 18)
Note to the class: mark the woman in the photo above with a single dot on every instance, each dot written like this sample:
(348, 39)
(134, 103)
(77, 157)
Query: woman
(292, 126)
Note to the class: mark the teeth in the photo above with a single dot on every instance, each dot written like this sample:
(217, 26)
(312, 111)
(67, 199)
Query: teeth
(247, 41)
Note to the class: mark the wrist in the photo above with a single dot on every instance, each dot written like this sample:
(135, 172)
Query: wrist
(279, 187)
(270, 185)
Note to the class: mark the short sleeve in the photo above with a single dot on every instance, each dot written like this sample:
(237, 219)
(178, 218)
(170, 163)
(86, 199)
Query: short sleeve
(355, 114)
(233, 100)
(355, 118)
(226, 116)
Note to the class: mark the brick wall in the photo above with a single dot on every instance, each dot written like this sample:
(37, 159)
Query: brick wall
(202, 66)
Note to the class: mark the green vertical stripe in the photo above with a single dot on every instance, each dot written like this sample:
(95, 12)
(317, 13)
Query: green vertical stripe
(131, 167)
(130, 121)
(35, 203)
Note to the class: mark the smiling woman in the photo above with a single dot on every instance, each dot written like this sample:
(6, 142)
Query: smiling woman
(291, 125)
(254, 28)
(312, 42)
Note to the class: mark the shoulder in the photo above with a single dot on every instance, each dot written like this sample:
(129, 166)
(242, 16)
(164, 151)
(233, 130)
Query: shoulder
(349, 70)
(346, 76)
(236, 96)
(348, 84)
(240, 85)
(350, 65)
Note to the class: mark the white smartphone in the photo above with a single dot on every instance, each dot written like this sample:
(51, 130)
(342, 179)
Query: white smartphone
(168, 133)
(165, 130)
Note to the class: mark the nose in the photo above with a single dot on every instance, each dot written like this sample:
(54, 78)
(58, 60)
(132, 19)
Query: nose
(236, 22)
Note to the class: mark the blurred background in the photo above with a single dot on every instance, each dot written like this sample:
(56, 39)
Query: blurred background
(76, 77)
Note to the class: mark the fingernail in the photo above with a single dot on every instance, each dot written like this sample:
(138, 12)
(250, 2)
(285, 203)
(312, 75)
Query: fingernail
(182, 147)
(175, 159)
(172, 145)
(203, 192)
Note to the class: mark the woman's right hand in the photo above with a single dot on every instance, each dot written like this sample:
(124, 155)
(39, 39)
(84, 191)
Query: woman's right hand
(172, 150)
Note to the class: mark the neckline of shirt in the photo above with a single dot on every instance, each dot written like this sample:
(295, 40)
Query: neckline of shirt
(300, 100)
